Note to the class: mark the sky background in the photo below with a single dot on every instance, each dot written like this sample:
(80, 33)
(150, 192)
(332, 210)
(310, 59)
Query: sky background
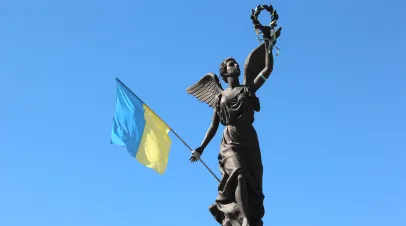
(332, 127)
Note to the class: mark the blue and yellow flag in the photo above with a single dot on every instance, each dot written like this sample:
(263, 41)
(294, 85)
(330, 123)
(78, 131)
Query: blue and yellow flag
(140, 130)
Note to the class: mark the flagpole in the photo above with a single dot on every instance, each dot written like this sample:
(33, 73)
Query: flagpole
(173, 131)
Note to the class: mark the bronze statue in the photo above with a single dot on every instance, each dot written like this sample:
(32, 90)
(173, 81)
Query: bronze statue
(240, 196)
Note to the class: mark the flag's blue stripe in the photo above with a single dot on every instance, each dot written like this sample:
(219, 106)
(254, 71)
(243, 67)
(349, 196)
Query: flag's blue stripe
(129, 121)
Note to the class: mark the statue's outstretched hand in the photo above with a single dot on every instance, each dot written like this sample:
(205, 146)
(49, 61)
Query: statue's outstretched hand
(196, 154)
(270, 34)
(266, 31)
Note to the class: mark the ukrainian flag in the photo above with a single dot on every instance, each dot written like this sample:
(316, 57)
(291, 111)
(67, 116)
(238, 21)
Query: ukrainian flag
(140, 130)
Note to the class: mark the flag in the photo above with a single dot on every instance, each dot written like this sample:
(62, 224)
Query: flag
(140, 130)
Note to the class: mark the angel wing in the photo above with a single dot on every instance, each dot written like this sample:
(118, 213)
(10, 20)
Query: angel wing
(206, 89)
(254, 63)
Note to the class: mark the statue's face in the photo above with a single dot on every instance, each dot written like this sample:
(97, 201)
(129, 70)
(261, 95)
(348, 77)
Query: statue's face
(233, 69)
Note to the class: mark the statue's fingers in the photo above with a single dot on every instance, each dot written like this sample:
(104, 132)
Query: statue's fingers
(257, 26)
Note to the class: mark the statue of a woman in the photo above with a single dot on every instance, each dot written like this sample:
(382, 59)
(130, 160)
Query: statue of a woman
(240, 196)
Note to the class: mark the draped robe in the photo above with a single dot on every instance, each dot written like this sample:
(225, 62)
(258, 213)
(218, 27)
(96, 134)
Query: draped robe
(239, 154)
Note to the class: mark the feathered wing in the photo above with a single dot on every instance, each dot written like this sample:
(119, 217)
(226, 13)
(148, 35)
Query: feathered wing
(254, 63)
(206, 89)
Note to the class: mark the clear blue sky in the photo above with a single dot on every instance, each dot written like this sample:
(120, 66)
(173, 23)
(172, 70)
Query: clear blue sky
(332, 126)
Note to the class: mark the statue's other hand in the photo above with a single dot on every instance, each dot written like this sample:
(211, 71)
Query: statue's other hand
(196, 154)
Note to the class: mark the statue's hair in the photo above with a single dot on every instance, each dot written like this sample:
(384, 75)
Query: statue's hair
(223, 68)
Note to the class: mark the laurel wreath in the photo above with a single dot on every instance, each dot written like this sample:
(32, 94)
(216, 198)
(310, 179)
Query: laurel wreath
(258, 26)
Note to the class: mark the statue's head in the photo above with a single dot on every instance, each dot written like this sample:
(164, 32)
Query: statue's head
(229, 68)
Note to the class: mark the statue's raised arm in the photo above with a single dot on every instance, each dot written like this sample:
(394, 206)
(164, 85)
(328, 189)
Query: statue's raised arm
(258, 65)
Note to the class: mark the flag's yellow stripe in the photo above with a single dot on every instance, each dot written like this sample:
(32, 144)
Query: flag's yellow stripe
(155, 143)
